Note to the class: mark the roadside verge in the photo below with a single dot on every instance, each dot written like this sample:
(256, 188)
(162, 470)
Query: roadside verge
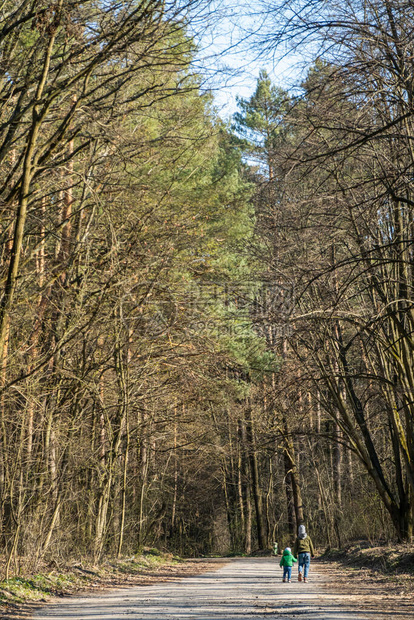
(20, 596)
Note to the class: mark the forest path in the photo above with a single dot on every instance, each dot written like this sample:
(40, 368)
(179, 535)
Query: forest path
(244, 588)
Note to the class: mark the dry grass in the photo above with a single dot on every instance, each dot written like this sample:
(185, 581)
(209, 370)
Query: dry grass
(378, 580)
(19, 597)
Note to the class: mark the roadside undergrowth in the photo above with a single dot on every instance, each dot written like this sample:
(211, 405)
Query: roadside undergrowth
(56, 581)
(387, 559)
(391, 564)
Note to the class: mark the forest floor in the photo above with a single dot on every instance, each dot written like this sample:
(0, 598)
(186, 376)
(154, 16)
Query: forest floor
(378, 580)
(21, 597)
(359, 583)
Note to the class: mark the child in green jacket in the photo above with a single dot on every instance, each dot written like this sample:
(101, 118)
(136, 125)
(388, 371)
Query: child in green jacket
(287, 563)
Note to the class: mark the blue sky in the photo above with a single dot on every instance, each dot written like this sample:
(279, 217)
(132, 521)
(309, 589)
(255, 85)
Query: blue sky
(229, 57)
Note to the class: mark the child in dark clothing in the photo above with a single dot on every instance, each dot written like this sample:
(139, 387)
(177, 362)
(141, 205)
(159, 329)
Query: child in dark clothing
(287, 562)
(304, 550)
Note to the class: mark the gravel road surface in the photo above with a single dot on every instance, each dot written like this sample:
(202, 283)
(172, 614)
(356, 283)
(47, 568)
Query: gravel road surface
(242, 589)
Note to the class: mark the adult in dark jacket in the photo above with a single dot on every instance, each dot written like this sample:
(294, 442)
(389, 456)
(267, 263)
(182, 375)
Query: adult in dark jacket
(304, 551)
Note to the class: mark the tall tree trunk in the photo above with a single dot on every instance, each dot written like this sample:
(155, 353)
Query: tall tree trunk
(240, 452)
(247, 489)
(290, 505)
(25, 187)
(175, 492)
(143, 478)
(257, 494)
(291, 468)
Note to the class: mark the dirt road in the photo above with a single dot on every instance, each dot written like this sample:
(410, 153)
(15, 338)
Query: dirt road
(243, 589)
